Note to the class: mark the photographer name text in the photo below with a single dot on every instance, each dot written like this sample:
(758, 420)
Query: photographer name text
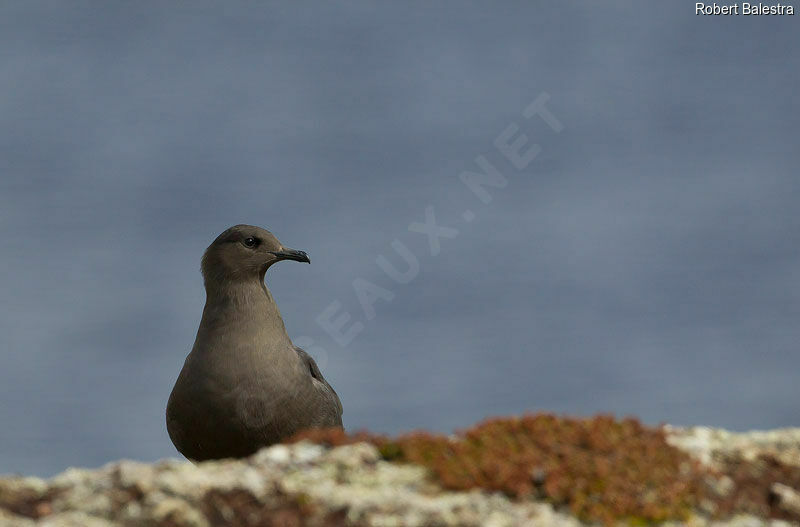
(743, 9)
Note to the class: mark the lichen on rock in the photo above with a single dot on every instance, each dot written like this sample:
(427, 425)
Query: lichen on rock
(535, 470)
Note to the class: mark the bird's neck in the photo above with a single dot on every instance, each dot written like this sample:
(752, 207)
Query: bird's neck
(245, 307)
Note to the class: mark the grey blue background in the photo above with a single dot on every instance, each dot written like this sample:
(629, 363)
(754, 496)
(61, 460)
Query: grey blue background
(645, 263)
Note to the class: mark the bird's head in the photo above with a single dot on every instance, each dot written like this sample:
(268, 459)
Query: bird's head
(244, 252)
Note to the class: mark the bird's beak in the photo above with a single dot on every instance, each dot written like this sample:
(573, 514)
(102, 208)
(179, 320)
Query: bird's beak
(291, 254)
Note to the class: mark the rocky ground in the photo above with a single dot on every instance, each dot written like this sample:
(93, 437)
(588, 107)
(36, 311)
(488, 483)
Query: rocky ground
(354, 485)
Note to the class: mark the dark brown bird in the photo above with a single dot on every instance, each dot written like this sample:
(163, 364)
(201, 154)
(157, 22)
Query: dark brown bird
(245, 385)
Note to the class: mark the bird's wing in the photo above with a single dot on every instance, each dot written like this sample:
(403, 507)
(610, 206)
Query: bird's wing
(317, 374)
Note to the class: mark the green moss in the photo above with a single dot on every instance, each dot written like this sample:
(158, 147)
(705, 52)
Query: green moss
(391, 451)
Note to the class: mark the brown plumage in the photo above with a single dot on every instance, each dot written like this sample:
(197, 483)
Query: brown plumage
(245, 385)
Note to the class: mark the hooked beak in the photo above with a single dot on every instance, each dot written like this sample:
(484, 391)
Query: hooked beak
(291, 254)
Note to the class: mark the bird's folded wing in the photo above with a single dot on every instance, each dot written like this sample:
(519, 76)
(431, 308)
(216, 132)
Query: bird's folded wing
(317, 374)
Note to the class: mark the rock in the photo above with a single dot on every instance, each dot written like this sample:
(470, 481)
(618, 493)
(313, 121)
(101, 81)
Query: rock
(713, 445)
(788, 498)
(306, 484)
(178, 512)
(9, 519)
(299, 484)
(74, 519)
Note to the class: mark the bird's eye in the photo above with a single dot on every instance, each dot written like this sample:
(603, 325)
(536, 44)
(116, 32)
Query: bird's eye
(250, 242)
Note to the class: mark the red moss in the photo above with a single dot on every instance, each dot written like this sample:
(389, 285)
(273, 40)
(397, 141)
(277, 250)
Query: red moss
(239, 508)
(599, 469)
(27, 502)
(752, 487)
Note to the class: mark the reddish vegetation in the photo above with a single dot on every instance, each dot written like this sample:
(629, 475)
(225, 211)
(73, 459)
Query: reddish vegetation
(752, 483)
(27, 502)
(238, 508)
(600, 469)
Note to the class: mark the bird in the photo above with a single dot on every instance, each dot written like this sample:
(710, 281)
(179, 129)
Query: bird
(245, 385)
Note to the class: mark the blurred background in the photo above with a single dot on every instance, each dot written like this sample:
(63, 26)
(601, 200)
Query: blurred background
(645, 263)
